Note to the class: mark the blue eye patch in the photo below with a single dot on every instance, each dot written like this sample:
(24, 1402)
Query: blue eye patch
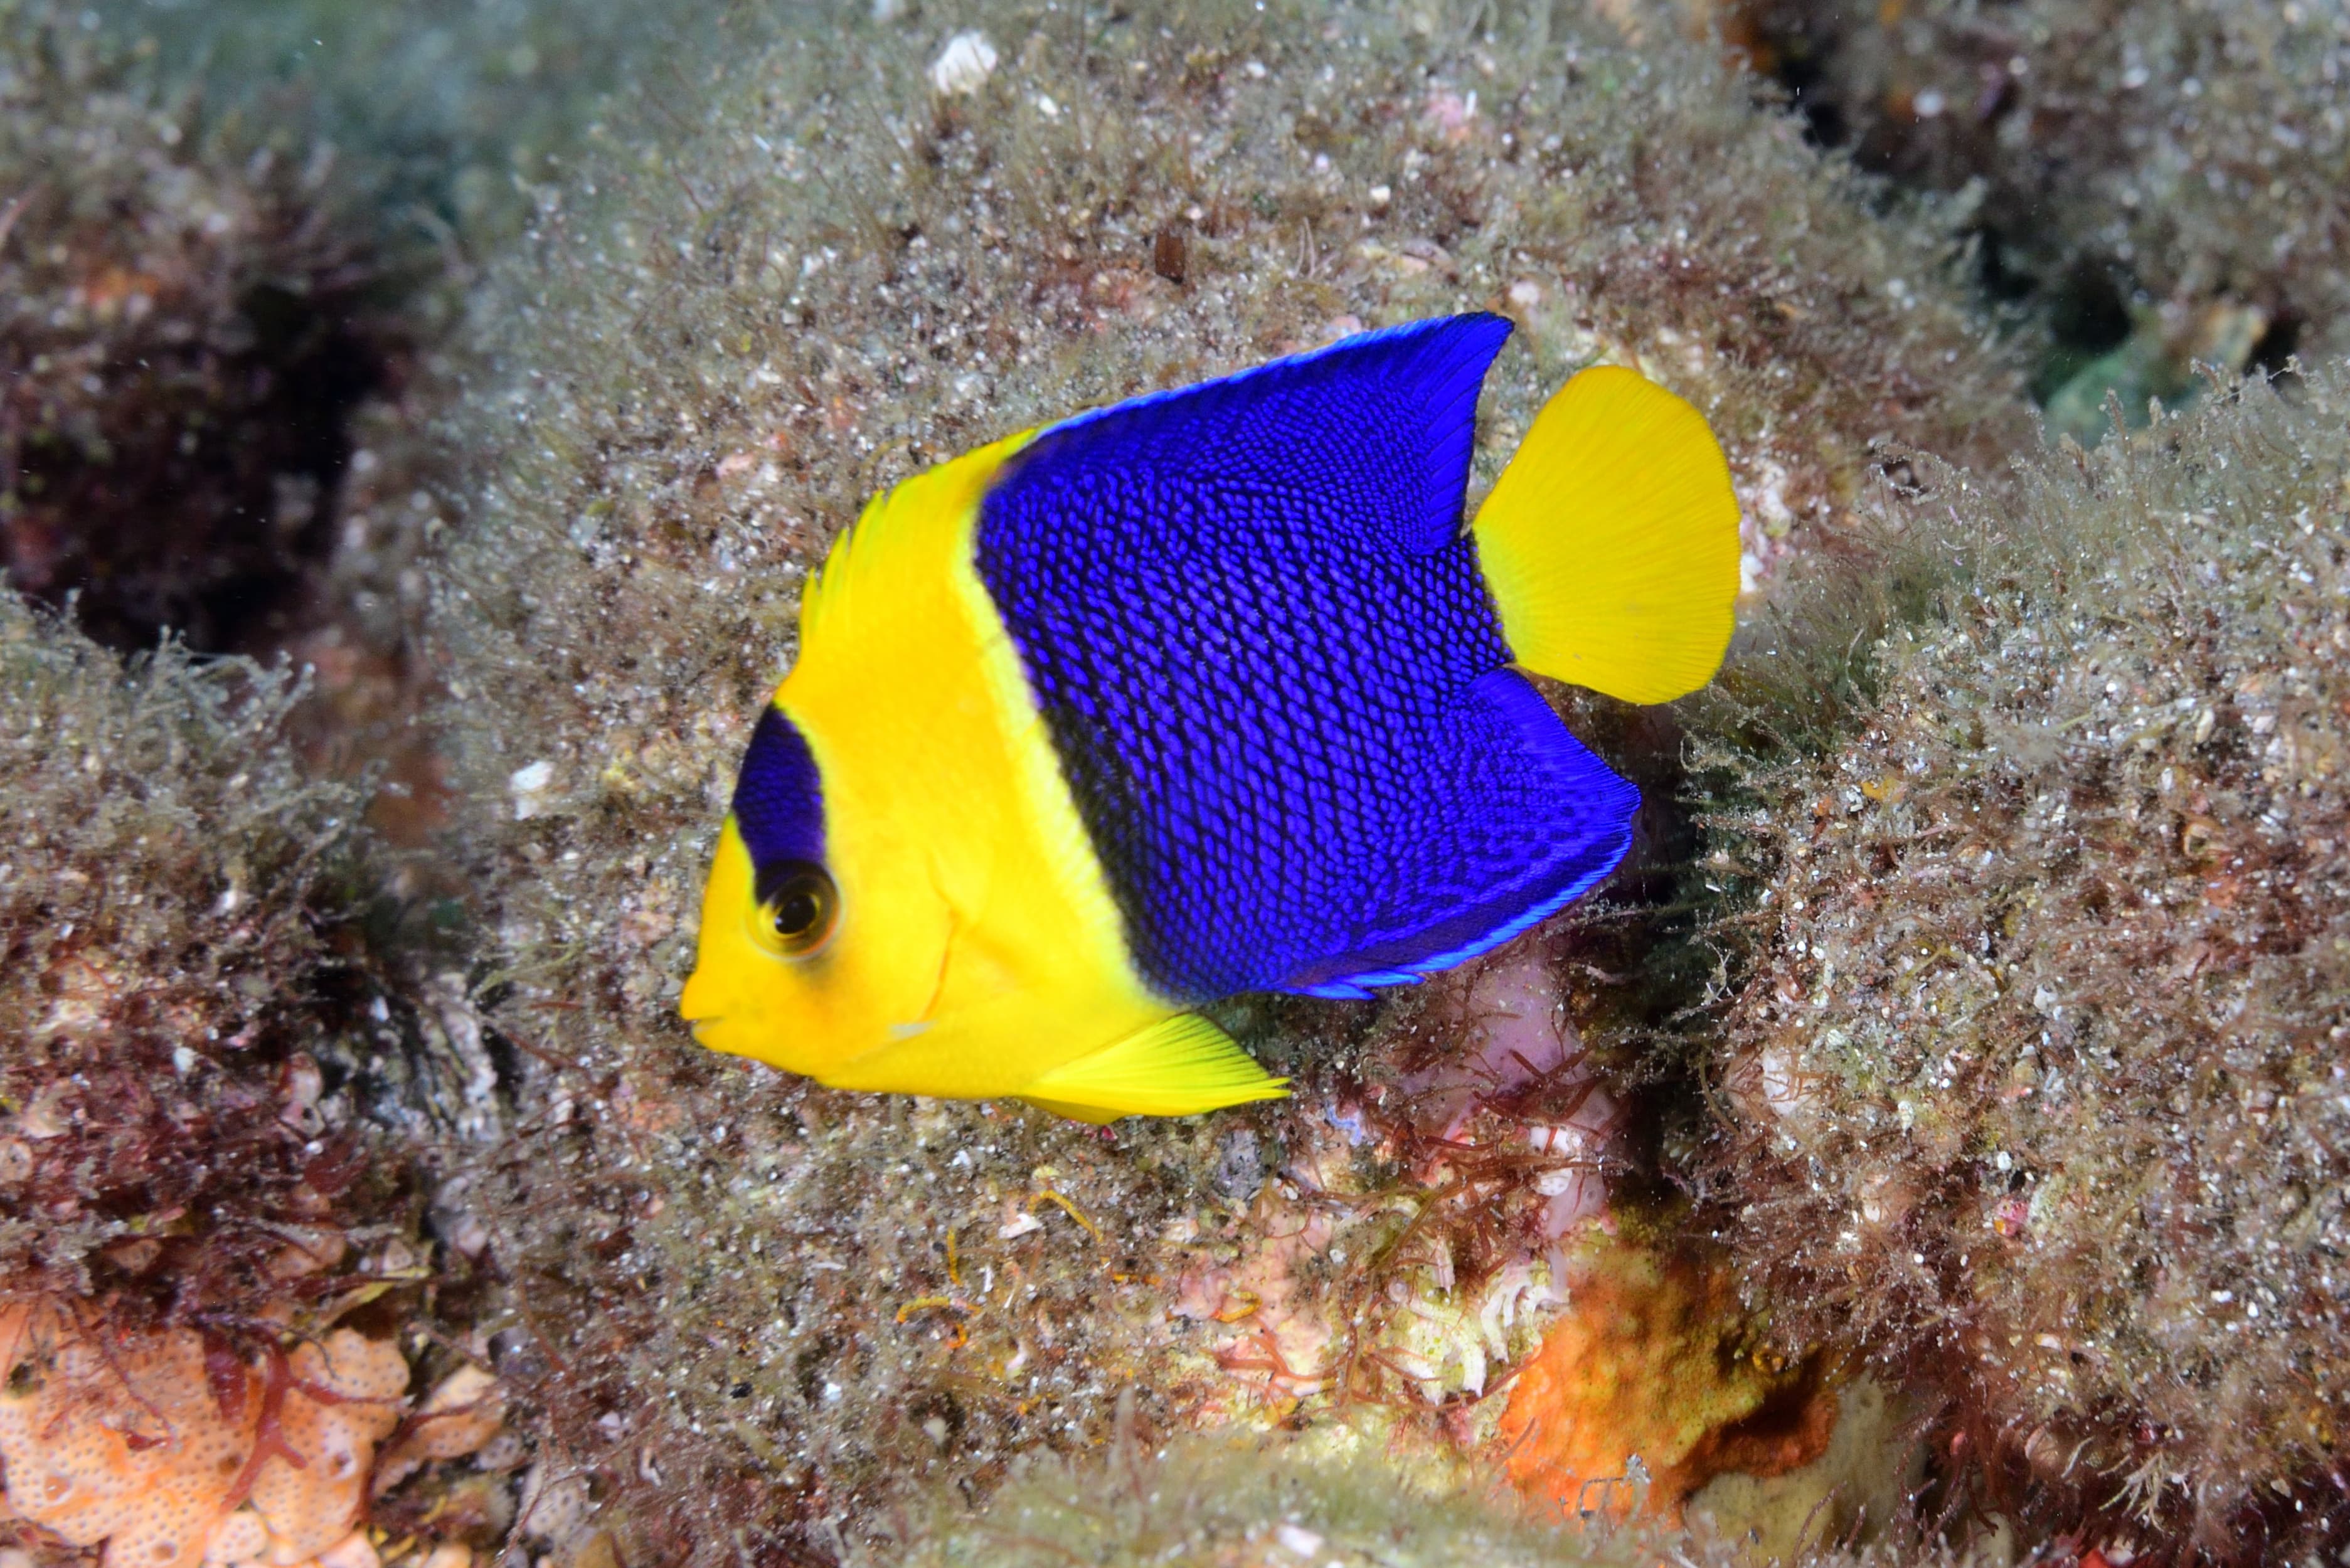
(779, 797)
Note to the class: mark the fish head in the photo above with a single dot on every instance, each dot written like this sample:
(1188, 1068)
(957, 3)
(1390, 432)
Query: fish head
(820, 943)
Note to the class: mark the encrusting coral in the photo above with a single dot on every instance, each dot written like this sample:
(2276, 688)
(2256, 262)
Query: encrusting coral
(170, 1447)
(172, 1450)
(2039, 1065)
(768, 1308)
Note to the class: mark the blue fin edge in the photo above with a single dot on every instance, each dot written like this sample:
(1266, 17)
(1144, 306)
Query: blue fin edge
(1515, 692)
(1515, 926)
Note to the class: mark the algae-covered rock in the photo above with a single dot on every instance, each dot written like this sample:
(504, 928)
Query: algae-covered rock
(178, 344)
(223, 1090)
(1225, 1502)
(443, 117)
(203, 1049)
(2199, 151)
(2039, 1073)
(765, 1309)
(232, 241)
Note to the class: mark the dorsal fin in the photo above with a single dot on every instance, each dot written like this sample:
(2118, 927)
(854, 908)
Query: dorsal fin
(1378, 428)
(904, 535)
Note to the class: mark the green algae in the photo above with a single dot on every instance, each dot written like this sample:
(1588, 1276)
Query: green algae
(1211, 1500)
(1215, 1499)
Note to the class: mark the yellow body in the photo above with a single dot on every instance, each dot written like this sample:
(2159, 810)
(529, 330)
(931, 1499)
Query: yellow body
(978, 951)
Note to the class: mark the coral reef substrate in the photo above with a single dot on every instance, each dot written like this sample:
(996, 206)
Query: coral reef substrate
(2039, 1070)
(2167, 180)
(179, 343)
(855, 265)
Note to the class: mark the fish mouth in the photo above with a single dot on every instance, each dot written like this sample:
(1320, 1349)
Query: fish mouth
(698, 1012)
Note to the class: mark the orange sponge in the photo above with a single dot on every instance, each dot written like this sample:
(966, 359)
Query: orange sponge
(1653, 1383)
(120, 1442)
(310, 1506)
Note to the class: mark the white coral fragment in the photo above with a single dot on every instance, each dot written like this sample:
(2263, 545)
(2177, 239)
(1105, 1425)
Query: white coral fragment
(963, 66)
(530, 788)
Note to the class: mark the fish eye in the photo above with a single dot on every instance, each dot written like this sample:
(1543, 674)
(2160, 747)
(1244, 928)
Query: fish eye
(797, 907)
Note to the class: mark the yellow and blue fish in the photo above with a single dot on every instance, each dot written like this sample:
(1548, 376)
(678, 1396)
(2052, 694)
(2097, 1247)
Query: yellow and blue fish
(1207, 693)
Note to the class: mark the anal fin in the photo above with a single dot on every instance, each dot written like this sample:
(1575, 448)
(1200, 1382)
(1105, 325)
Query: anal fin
(1177, 1068)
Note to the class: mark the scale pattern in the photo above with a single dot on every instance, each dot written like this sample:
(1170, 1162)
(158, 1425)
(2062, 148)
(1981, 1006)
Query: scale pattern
(1276, 680)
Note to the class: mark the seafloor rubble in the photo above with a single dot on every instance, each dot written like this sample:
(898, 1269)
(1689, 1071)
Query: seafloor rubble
(1712, 1221)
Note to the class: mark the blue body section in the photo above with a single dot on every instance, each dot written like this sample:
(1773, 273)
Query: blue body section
(779, 800)
(1275, 680)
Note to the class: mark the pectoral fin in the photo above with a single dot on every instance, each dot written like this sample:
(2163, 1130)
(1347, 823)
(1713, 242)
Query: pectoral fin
(1176, 1067)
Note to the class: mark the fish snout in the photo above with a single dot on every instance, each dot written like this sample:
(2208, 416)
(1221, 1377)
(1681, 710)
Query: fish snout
(700, 1003)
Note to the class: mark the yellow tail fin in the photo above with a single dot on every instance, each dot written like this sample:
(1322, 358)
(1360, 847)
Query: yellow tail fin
(1610, 542)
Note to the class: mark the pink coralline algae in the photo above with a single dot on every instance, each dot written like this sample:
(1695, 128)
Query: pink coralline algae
(1525, 1078)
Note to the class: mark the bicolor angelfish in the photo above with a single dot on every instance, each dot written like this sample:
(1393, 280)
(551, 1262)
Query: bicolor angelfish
(1203, 693)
